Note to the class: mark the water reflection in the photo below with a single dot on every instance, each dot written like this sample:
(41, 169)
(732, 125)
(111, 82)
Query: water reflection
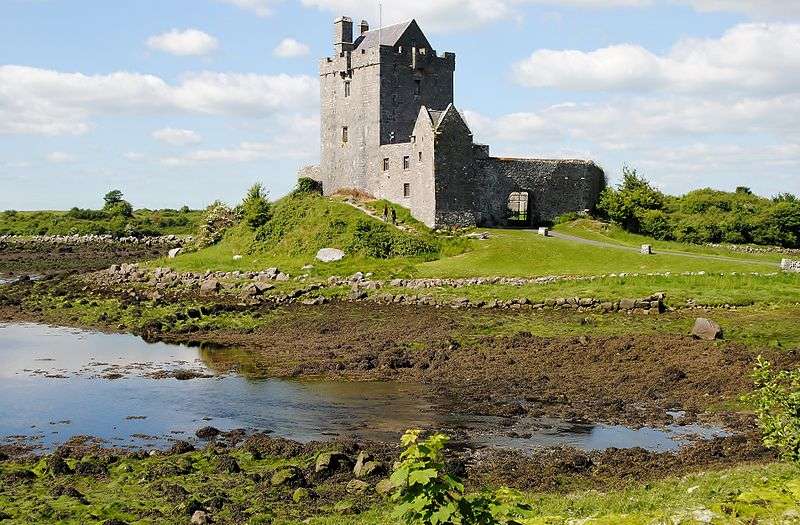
(52, 385)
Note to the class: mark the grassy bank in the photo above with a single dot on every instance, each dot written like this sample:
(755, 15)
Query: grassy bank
(167, 490)
(97, 222)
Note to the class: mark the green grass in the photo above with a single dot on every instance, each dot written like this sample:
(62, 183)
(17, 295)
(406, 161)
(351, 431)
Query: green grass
(743, 495)
(611, 233)
(522, 253)
(149, 222)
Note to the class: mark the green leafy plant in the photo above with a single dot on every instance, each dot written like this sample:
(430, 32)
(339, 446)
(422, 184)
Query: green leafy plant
(255, 207)
(777, 404)
(216, 221)
(427, 495)
(307, 185)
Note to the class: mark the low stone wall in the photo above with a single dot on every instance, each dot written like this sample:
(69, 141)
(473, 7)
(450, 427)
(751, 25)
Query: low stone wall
(746, 248)
(76, 240)
(790, 265)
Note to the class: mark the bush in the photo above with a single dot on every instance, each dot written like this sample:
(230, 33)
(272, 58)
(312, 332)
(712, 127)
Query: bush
(217, 219)
(626, 204)
(426, 494)
(308, 185)
(777, 404)
(375, 239)
(255, 207)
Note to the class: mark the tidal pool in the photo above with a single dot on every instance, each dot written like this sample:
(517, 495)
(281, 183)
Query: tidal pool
(58, 382)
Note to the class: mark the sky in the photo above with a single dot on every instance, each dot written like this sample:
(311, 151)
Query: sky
(182, 102)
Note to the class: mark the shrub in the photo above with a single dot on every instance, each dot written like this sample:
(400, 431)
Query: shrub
(777, 404)
(427, 495)
(308, 185)
(83, 214)
(217, 219)
(375, 239)
(625, 204)
(566, 217)
(255, 207)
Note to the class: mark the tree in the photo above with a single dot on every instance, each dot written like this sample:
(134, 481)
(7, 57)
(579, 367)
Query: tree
(112, 197)
(626, 204)
(256, 207)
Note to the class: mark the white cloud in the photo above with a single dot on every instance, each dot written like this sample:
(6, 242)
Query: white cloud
(262, 8)
(755, 58)
(59, 157)
(191, 42)
(291, 48)
(297, 138)
(757, 8)
(46, 102)
(133, 156)
(177, 137)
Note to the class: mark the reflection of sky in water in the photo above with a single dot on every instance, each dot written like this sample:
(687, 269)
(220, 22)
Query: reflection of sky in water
(35, 405)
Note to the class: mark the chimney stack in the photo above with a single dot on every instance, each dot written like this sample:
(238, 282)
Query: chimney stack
(343, 34)
(364, 26)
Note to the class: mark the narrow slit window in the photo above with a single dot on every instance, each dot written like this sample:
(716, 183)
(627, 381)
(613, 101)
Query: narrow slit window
(406, 162)
(406, 190)
(347, 89)
(386, 164)
(420, 156)
(417, 86)
(345, 134)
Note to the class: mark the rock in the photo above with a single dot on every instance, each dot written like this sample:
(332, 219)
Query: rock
(357, 277)
(544, 232)
(627, 304)
(646, 249)
(356, 486)
(330, 255)
(208, 433)
(237, 257)
(330, 462)
(288, 477)
(366, 466)
(256, 289)
(706, 329)
(173, 253)
(282, 277)
(384, 486)
(200, 518)
(181, 447)
(210, 286)
(228, 465)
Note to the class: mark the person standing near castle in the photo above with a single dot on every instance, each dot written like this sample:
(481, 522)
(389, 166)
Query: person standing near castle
(394, 216)
(385, 213)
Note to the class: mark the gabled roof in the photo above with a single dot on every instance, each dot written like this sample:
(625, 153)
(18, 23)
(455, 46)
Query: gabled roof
(389, 35)
(436, 117)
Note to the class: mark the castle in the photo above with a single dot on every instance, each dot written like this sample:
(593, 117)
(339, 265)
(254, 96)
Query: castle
(390, 129)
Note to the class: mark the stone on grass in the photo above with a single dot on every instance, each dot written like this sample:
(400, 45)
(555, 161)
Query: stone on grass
(174, 252)
(210, 286)
(329, 462)
(356, 486)
(288, 477)
(384, 486)
(200, 518)
(706, 330)
(330, 255)
(544, 232)
(647, 249)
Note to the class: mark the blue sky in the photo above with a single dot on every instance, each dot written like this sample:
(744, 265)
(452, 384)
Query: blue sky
(185, 101)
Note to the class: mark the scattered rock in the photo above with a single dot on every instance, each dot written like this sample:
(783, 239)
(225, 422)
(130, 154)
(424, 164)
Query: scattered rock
(356, 486)
(330, 462)
(366, 466)
(173, 253)
(208, 433)
(330, 255)
(210, 286)
(706, 330)
(288, 477)
(200, 518)
(384, 486)
(227, 464)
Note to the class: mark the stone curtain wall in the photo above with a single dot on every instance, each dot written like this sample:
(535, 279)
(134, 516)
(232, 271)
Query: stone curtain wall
(555, 187)
(455, 172)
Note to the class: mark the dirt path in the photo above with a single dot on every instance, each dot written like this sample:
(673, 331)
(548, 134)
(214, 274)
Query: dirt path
(603, 244)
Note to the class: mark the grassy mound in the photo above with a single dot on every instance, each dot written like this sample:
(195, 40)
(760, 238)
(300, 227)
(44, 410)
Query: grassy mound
(301, 224)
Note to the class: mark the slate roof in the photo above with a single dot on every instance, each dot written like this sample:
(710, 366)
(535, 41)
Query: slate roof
(388, 35)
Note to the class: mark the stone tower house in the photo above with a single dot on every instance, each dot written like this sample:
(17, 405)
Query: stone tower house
(389, 128)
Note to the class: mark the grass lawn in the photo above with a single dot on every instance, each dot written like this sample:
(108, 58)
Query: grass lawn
(522, 253)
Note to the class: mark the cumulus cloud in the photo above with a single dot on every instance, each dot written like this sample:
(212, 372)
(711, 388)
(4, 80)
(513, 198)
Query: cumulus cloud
(757, 8)
(756, 58)
(47, 102)
(177, 137)
(191, 42)
(262, 8)
(291, 48)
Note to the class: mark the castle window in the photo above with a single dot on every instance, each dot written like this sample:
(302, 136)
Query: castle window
(417, 86)
(413, 139)
(344, 134)
(518, 207)
(406, 190)
(420, 156)
(386, 164)
(406, 162)
(347, 89)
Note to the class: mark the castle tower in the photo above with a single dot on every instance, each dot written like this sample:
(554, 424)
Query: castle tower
(372, 90)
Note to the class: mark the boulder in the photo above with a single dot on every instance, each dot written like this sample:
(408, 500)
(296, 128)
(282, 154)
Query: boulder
(366, 466)
(646, 249)
(706, 330)
(210, 286)
(330, 255)
(208, 433)
(627, 304)
(174, 252)
(200, 518)
(356, 486)
(288, 477)
(330, 462)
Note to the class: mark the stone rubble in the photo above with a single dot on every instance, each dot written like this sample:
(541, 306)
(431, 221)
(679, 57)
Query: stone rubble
(175, 241)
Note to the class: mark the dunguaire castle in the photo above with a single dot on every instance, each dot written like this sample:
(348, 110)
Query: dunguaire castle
(390, 129)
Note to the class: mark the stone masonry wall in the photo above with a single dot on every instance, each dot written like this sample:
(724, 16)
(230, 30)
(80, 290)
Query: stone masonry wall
(555, 187)
(790, 265)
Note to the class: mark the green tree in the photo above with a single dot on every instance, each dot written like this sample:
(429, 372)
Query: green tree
(777, 404)
(116, 206)
(626, 204)
(112, 197)
(256, 207)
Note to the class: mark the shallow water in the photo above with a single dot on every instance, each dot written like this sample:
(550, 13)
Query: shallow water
(52, 387)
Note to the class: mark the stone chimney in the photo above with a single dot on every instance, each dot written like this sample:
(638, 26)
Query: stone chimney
(364, 26)
(343, 34)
